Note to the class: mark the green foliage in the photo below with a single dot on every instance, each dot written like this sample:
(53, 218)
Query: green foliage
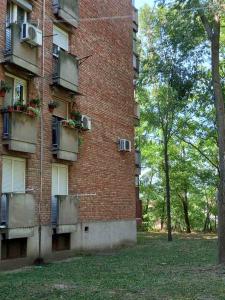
(175, 93)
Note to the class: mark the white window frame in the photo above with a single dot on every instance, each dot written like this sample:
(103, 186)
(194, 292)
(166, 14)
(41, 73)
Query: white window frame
(13, 13)
(25, 85)
(64, 46)
(58, 166)
(13, 159)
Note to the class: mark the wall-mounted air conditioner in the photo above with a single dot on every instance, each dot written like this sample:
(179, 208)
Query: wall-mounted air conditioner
(86, 122)
(124, 145)
(31, 34)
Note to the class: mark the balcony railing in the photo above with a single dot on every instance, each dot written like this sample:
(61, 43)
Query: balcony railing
(137, 114)
(20, 53)
(17, 214)
(65, 71)
(138, 158)
(65, 213)
(135, 19)
(64, 141)
(68, 10)
(19, 132)
(136, 64)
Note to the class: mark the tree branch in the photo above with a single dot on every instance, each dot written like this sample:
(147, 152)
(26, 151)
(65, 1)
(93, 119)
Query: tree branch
(206, 24)
(200, 151)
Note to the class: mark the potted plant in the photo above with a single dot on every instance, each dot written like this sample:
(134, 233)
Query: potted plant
(10, 108)
(76, 115)
(32, 111)
(64, 122)
(35, 102)
(4, 88)
(18, 105)
(71, 123)
(78, 124)
(52, 105)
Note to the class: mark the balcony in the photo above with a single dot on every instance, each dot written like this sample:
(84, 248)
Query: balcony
(137, 114)
(17, 215)
(136, 64)
(135, 48)
(18, 53)
(65, 72)
(135, 19)
(65, 213)
(64, 141)
(19, 131)
(138, 158)
(138, 162)
(67, 10)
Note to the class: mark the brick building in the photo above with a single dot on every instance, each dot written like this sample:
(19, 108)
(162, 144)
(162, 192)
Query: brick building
(68, 164)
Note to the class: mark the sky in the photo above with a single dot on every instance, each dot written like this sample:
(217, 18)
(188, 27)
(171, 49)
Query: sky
(140, 3)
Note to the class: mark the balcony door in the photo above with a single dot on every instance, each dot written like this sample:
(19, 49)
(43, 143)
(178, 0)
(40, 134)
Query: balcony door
(59, 180)
(14, 14)
(59, 187)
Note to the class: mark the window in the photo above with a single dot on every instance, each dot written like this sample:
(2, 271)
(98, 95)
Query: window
(15, 14)
(59, 180)
(13, 175)
(60, 40)
(18, 91)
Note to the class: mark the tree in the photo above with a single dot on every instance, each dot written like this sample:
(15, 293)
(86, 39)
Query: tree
(173, 58)
(170, 82)
(210, 14)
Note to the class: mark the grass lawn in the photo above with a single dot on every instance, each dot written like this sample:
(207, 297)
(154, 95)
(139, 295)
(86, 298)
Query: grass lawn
(154, 269)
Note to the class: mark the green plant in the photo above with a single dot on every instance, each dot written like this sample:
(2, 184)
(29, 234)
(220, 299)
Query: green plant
(76, 115)
(80, 141)
(18, 103)
(71, 123)
(35, 101)
(34, 111)
(4, 87)
(77, 123)
(53, 104)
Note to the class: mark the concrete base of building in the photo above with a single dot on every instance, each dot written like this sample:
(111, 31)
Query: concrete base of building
(86, 236)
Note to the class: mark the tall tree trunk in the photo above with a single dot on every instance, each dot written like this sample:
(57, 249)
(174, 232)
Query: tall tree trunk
(186, 212)
(207, 224)
(167, 175)
(213, 31)
(163, 214)
(220, 114)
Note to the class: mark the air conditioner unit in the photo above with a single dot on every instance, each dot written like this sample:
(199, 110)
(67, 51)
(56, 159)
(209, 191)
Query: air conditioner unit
(31, 34)
(124, 145)
(86, 122)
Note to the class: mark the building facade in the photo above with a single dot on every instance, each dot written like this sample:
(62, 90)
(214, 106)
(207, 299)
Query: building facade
(69, 168)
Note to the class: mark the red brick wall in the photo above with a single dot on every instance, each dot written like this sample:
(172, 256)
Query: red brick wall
(106, 82)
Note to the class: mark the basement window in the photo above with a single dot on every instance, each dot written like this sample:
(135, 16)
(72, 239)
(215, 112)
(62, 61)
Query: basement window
(15, 248)
(61, 242)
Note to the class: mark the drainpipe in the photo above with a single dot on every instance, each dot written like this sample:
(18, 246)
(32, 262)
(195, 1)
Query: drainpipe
(40, 259)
